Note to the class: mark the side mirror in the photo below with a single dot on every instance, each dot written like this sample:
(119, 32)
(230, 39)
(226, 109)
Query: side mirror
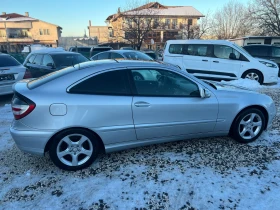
(204, 93)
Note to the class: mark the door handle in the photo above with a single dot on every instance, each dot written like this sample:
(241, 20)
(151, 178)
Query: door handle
(205, 60)
(216, 61)
(141, 104)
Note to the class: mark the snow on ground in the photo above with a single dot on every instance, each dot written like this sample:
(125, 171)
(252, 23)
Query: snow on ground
(251, 84)
(210, 173)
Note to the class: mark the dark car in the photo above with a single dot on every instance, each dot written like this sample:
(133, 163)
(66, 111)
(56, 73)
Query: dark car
(80, 49)
(43, 62)
(95, 50)
(269, 52)
(119, 54)
(151, 53)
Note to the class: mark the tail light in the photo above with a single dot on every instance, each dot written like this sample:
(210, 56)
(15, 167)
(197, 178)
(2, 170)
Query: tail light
(27, 74)
(21, 107)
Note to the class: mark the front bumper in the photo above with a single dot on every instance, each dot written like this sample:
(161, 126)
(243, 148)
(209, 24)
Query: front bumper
(31, 141)
(271, 75)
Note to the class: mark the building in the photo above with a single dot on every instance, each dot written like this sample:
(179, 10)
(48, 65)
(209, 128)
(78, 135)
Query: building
(169, 22)
(18, 30)
(249, 40)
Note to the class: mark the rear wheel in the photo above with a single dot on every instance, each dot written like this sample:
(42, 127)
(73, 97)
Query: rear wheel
(253, 75)
(248, 126)
(74, 149)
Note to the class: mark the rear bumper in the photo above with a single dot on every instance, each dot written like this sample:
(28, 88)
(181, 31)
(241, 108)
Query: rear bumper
(31, 141)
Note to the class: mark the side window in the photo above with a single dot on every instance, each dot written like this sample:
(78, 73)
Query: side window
(163, 83)
(94, 58)
(103, 56)
(177, 48)
(226, 52)
(38, 59)
(108, 83)
(31, 59)
(47, 61)
(276, 52)
(116, 56)
(199, 50)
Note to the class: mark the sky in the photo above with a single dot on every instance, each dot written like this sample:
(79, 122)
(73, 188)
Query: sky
(74, 15)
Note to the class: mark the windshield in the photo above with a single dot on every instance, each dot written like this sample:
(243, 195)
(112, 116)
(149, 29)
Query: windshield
(242, 50)
(137, 56)
(69, 59)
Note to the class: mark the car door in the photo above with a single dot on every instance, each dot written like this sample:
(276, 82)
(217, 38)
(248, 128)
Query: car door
(170, 106)
(47, 65)
(197, 59)
(105, 105)
(223, 64)
(35, 69)
(29, 63)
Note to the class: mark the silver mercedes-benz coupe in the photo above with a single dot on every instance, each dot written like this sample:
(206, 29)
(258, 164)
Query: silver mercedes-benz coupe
(98, 106)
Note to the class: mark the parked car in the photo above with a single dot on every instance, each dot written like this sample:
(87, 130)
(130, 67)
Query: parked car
(11, 71)
(218, 59)
(269, 52)
(42, 62)
(95, 50)
(128, 54)
(78, 112)
(80, 49)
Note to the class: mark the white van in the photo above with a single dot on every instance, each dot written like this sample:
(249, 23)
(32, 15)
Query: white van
(218, 59)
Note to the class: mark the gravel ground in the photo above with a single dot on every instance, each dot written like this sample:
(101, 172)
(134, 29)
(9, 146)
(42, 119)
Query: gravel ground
(210, 173)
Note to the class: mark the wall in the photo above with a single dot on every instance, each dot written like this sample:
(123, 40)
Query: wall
(101, 32)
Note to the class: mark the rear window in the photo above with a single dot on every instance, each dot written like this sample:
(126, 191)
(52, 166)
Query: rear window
(49, 77)
(178, 49)
(65, 60)
(8, 60)
(137, 56)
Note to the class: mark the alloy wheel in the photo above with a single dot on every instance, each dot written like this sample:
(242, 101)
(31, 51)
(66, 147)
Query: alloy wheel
(252, 76)
(250, 126)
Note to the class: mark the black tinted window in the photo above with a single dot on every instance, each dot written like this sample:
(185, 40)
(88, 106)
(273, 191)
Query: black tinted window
(108, 83)
(163, 83)
(69, 59)
(257, 50)
(276, 52)
(152, 55)
(177, 48)
(38, 59)
(7, 60)
(199, 50)
(103, 56)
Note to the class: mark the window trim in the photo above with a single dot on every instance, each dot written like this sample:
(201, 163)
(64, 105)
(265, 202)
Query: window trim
(68, 89)
(134, 89)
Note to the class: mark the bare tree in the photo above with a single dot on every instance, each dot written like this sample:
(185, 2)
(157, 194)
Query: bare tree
(231, 21)
(265, 14)
(199, 30)
(138, 21)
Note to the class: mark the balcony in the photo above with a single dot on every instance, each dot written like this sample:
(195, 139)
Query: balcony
(19, 38)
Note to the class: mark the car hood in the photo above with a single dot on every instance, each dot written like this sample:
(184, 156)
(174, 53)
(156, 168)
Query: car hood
(230, 87)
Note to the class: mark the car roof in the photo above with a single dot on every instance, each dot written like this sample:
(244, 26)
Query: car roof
(198, 41)
(261, 45)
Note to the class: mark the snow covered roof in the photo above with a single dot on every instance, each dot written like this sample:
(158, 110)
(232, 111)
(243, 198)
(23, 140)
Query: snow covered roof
(14, 17)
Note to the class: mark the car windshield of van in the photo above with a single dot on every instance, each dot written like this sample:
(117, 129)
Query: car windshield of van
(64, 60)
(137, 56)
(242, 50)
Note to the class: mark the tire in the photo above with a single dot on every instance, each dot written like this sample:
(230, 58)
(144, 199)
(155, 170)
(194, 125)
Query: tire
(78, 148)
(137, 76)
(253, 75)
(248, 125)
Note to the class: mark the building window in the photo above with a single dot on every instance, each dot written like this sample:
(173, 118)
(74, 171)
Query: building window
(167, 22)
(44, 31)
(174, 23)
(190, 22)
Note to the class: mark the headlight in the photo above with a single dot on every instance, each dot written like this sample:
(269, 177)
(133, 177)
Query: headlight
(268, 64)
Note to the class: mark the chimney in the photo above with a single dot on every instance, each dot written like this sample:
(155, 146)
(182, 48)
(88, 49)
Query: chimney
(119, 10)
(89, 22)
(3, 13)
(27, 14)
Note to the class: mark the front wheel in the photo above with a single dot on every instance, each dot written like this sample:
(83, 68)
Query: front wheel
(248, 126)
(74, 149)
(253, 75)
